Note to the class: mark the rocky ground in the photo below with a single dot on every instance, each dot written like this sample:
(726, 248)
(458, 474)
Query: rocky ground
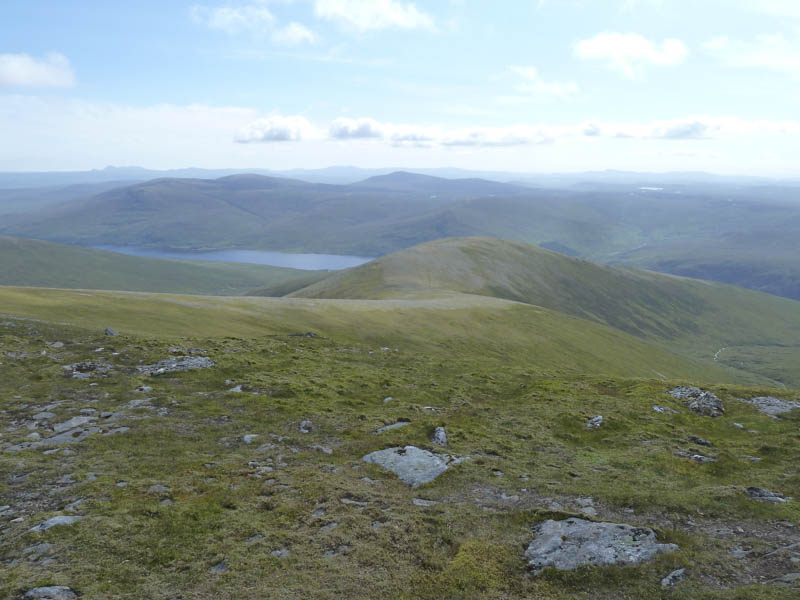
(292, 467)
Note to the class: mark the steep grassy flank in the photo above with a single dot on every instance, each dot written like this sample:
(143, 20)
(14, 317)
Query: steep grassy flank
(502, 332)
(692, 317)
(37, 263)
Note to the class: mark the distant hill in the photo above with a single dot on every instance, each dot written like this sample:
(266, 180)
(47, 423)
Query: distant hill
(737, 232)
(689, 316)
(26, 262)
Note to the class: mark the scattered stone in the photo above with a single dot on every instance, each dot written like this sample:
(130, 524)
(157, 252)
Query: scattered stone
(117, 430)
(498, 473)
(323, 449)
(387, 399)
(55, 522)
(306, 426)
(423, 502)
(673, 578)
(158, 489)
(38, 549)
(249, 438)
(85, 370)
(34, 437)
(773, 406)
(72, 424)
(788, 580)
(439, 437)
(44, 416)
(329, 526)
(282, 553)
(341, 549)
(572, 543)
(695, 457)
(111, 332)
(236, 389)
(51, 592)
(664, 410)
(122, 484)
(253, 539)
(400, 423)
(594, 423)
(219, 568)
(143, 389)
(56, 345)
(412, 465)
(738, 425)
(762, 495)
(73, 507)
(754, 459)
(353, 502)
(176, 365)
(700, 441)
(701, 402)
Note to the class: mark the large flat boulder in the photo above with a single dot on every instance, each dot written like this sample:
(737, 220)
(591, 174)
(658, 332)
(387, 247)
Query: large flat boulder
(574, 543)
(413, 465)
(700, 401)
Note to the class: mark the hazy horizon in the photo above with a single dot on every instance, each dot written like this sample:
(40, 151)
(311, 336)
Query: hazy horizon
(533, 87)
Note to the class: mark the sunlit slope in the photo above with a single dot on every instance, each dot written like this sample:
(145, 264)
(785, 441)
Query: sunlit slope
(691, 316)
(495, 330)
(38, 263)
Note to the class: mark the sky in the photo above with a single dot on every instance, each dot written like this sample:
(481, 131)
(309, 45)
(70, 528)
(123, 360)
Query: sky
(536, 86)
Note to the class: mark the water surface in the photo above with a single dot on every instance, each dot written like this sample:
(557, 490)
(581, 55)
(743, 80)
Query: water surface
(258, 257)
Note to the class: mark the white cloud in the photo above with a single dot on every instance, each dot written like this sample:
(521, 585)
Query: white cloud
(780, 8)
(293, 34)
(54, 70)
(234, 19)
(276, 128)
(630, 53)
(346, 129)
(366, 15)
(533, 86)
(771, 52)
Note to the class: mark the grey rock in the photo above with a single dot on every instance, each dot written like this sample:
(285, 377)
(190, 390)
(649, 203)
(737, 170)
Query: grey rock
(664, 410)
(176, 365)
(249, 438)
(236, 389)
(398, 425)
(111, 332)
(86, 369)
(387, 399)
(306, 426)
(117, 430)
(219, 568)
(158, 489)
(439, 437)
(772, 406)
(56, 522)
(318, 512)
(56, 345)
(762, 495)
(412, 465)
(594, 423)
(39, 549)
(254, 538)
(329, 526)
(701, 402)
(572, 543)
(700, 441)
(143, 389)
(34, 437)
(789, 580)
(281, 553)
(72, 424)
(423, 502)
(51, 592)
(73, 507)
(673, 578)
(43, 416)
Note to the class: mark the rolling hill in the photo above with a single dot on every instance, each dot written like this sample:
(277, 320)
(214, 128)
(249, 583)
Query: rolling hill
(696, 318)
(36, 263)
(736, 232)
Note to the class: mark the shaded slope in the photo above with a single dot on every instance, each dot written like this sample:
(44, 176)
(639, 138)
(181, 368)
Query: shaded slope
(691, 316)
(37, 263)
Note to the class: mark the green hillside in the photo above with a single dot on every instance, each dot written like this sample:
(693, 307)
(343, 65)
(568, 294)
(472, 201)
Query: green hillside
(37, 263)
(693, 317)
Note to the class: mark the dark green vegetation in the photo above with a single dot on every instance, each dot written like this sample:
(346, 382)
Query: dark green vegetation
(694, 318)
(350, 529)
(741, 232)
(37, 263)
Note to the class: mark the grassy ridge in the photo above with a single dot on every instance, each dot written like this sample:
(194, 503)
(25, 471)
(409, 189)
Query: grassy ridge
(500, 330)
(692, 317)
(37, 263)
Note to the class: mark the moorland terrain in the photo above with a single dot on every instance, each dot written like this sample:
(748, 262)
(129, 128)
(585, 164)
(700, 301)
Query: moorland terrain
(183, 429)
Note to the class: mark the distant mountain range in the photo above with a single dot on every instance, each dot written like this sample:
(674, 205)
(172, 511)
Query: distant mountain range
(744, 234)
